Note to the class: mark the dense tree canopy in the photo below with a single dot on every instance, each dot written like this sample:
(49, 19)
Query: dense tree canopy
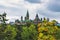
(46, 30)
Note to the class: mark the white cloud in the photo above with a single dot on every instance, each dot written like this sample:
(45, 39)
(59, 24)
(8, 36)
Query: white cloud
(17, 8)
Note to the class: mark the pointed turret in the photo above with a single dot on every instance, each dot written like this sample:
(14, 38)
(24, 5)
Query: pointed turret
(37, 20)
(37, 16)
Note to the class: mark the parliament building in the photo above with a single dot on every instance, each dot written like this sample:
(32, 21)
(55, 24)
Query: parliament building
(27, 20)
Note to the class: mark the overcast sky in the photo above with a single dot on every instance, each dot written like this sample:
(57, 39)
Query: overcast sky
(17, 8)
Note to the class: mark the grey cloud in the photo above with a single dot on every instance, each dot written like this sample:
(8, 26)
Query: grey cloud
(54, 5)
(33, 1)
(48, 14)
(12, 11)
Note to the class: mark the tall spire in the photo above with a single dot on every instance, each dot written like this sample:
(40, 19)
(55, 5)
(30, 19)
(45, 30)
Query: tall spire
(27, 15)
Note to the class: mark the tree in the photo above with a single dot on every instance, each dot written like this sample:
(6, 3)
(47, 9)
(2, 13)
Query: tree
(29, 33)
(33, 32)
(47, 30)
(57, 35)
(3, 18)
(25, 33)
(2, 35)
(10, 33)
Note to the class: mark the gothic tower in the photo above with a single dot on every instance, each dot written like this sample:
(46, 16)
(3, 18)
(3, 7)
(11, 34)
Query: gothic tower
(37, 20)
(27, 15)
(21, 18)
(37, 17)
(48, 19)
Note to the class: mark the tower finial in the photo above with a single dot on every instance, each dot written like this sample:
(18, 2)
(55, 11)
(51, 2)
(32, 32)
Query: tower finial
(37, 16)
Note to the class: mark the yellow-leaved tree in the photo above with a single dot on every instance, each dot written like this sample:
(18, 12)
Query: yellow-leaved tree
(47, 30)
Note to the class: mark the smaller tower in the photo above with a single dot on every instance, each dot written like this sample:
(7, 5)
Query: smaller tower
(21, 18)
(44, 18)
(48, 19)
(41, 19)
(37, 20)
(25, 18)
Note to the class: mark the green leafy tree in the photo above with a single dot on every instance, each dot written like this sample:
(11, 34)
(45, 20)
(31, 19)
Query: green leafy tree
(57, 35)
(33, 32)
(2, 35)
(29, 33)
(3, 18)
(10, 33)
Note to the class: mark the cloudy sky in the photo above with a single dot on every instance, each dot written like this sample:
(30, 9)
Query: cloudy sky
(17, 8)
